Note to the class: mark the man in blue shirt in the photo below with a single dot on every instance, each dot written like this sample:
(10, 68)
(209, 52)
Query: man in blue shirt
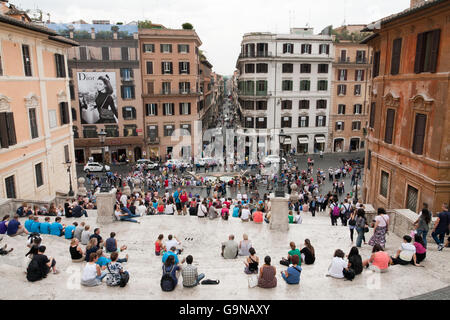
(44, 227)
(29, 223)
(36, 224)
(14, 227)
(56, 227)
(441, 227)
(69, 230)
(170, 253)
(176, 196)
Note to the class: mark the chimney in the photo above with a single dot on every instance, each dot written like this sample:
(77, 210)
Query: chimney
(92, 33)
(415, 3)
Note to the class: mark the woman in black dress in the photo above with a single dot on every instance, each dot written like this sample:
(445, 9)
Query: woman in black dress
(104, 101)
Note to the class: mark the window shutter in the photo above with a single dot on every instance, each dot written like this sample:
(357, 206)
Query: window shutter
(328, 49)
(3, 131)
(418, 63)
(170, 48)
(132, 92)
(419, 133)
(162, 67)
(309, 48)
(317, 121)
(11, 128)
(372, 115)
(336, 126)
(324, 121)
(345, 74)
(164, 109)
(171, 67)
(179, 48)
(396, 52)
(162, 48)
(188, 67)
(284, 47)
(356, 75)
(172, 108)
(189, 108)
(389, 126)
(156, 109)
(376, 64)
(434, 50)
(180, 67)
(57, 65)
(122, 92)
(181, 106)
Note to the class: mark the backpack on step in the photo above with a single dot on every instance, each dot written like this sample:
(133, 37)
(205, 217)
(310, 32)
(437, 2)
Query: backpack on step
(167, 282)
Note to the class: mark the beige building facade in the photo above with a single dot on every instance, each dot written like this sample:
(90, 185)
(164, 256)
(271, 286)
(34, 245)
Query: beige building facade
(35, 121)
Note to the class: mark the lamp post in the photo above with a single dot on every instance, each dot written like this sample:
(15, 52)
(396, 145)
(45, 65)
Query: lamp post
(102, 137)
(68, 164)
(279, 192)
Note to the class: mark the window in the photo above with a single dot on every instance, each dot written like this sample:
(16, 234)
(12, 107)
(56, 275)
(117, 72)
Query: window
(148, 48)
(321, 104)
(249, 68)
(303, 122)
(168, 109)
(168, 130)
(249, 122)
(261, 105)
(249, 105)
(151, 109)
(384, 183)
(8, 131)
(185, 87)
(360, 56)
(166, 88)
(339, 126)
(152, 132)
(322, 85)
(396, 53)
(305, 68)
(305, 85)
(288, 48)
(38, 173)
(342, 89)
(33, 123)
(341, 108)
(105, 53)
(288, 68)
(261, 123)
(303, 104)
(185, 127)
(184, 67)
(60, 66)
(287, 85)
(359, 75)
(185, 108)
(149, 65)
(71, 90)
(343, 57)
(129, 130)
(324, 48)
(127, 92)
(261, 49)
(419, 133)
(356, 125)
(322, 68)
(412, 195)
(83, 53)
(129, 113)
(126, 74)
(90, 132)
(26, 60)
(261, 68)
(342, 74)
(64, 113)
(183, 48)
(321, 121)
(286, 122)
(357, 109)
(166, 48)
(1, 68)
(286, 104)
(10, 187)
(124, 53)
(427, 50)
(372, 115)
(306, 48)
(376, 64)
(166, 67)
(150, 87)
(390, 119)
(357, 90)
(112, 130)
(66, 154)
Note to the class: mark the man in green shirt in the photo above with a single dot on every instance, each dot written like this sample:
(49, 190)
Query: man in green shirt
(293, 252)
(291, 217)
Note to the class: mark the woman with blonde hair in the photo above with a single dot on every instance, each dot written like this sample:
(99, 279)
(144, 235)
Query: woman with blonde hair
(76, 252)
(244, 246)
(91, 247)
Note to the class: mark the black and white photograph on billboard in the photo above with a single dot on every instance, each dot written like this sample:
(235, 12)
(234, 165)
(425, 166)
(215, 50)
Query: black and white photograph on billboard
(97, 96)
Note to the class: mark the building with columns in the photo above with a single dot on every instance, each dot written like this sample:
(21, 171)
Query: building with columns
(36, 141)
(408, 155)
(284, 82)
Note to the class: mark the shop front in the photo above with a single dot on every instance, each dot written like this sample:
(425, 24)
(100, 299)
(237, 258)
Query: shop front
(319, 143)
(302, 144)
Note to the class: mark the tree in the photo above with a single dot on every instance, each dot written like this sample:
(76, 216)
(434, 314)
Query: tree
(146, 24)
(187, 26)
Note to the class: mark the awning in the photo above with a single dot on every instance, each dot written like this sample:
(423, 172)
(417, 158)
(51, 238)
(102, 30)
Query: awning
(320, 139)
(287, 140)
(303, 140)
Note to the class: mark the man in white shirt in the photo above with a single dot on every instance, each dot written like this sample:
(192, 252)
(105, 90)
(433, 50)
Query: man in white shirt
(173, 242)
(245, 214)
(170, 209)
(123, 200)
(406, 254)
(141, 209)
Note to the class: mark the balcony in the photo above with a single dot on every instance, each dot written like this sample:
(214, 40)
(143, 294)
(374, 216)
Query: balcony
(153, 140)
(258, 54)
(356, 61)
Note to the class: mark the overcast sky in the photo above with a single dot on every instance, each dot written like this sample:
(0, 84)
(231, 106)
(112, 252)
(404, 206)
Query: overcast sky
(221, 24)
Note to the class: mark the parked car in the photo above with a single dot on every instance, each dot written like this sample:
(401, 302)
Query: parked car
(273, 159)
(95, 167)
(147, 164)
(177, 163)
(207, 160)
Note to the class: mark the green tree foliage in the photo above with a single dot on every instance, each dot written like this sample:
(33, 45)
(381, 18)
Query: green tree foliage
(187, 26)
(146, 24)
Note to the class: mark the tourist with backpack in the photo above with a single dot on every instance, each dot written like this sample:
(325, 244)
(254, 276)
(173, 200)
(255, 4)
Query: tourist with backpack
(116, 276)
(292, 274)
(346, 212)
(169, 278)
(40, 266)
(334, 213)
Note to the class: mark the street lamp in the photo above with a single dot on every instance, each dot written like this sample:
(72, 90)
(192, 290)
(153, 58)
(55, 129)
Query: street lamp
(68, 164)
(102, 137)
(279, 192)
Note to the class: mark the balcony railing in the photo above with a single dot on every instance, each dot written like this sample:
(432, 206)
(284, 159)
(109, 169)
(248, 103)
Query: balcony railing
(257, 54)
(358, 60)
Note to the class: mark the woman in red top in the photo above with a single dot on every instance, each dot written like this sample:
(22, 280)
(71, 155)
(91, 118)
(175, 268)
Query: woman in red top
(225, 212)
(159, 246)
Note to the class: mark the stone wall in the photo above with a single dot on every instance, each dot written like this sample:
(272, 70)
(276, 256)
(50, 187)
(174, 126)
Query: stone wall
(10, 206)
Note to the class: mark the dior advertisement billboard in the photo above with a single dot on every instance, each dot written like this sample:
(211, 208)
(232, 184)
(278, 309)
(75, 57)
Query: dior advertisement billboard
(97, 96)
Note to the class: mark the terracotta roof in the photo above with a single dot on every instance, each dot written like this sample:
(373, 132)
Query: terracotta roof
(407, 12)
